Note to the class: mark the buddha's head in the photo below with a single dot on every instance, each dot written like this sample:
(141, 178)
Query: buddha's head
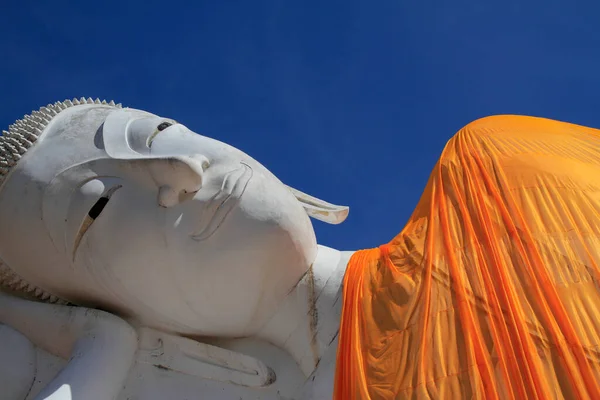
(124, 210)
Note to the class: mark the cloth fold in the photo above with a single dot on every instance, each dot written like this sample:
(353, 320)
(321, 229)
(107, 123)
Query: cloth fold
(491, 289)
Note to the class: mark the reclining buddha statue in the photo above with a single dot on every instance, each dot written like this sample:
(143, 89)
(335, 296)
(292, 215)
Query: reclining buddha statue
(140, 260)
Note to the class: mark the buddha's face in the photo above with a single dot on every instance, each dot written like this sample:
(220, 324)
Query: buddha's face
(137, 214)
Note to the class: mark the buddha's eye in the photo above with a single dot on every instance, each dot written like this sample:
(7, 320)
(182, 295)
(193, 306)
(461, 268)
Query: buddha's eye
(98, 207)
(161, 127)
(92, 215)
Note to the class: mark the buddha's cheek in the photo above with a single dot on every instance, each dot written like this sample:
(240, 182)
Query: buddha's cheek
(127, 264)
(243, 270)
(225, 275)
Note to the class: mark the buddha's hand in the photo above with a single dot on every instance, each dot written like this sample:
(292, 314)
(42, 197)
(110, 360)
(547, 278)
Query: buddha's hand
(100, 347)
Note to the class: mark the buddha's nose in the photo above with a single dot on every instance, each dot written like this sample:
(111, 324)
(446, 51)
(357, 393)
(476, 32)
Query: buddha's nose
(178, 176)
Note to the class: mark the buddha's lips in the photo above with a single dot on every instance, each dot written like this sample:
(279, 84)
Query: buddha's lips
(216, 210)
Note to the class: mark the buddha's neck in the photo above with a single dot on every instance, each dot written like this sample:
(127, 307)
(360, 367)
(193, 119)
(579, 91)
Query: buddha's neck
(307, 322)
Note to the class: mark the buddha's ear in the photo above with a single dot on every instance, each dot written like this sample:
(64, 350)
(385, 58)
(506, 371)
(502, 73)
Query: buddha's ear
(321, 210)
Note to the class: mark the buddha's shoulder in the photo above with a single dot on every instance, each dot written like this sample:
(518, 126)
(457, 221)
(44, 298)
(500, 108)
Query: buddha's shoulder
(522, 126)
(506, 135)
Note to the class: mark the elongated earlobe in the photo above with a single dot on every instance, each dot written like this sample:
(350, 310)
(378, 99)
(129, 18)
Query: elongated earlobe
(321, 210)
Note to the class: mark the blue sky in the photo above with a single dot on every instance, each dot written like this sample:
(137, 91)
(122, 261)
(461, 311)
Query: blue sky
(349, 101)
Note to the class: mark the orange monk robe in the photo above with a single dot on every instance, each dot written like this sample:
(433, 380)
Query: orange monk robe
(491, 291)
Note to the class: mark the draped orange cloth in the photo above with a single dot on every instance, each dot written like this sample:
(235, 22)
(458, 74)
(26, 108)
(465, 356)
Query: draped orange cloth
(491, 291)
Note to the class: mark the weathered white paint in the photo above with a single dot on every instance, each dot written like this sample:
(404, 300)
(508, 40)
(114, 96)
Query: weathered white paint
(17, 364)
(205, 264)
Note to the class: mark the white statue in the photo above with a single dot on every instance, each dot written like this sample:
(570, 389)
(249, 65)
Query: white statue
(143, 261)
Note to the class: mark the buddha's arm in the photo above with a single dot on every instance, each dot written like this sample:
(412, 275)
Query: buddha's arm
(99, 346)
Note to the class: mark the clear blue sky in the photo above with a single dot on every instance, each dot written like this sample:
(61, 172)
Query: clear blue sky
(349, 101)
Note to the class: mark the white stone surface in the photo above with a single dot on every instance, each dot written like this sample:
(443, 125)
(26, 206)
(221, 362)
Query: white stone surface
(17, 365)
(205, 265)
